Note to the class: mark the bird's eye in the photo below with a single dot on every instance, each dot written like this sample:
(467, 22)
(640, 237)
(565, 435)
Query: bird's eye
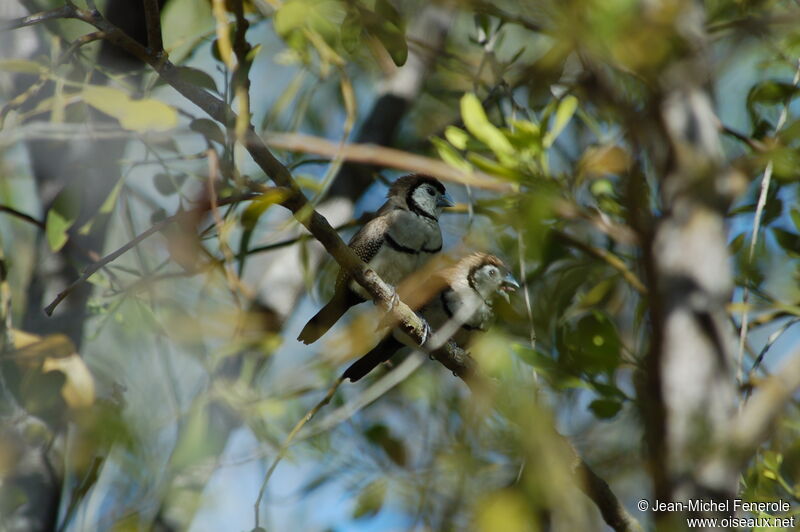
(430, 191)
(493, 272)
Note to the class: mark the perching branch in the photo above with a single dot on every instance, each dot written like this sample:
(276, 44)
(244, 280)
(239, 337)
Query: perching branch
(315, 223)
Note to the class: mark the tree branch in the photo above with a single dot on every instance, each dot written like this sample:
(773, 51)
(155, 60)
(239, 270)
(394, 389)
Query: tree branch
(152, 15)
(609, 258)
(37, 18)
(597, 489)
(22, 216)
(380, 155)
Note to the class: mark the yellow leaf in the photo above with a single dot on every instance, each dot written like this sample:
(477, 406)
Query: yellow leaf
(136, 115)
(507, 511)
(78, 390)
(257, 207)
(56, 352)
(603, 160)
(32, 349)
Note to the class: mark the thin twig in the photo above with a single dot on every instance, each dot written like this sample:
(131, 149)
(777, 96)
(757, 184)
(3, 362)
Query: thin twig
(235, 284)
(37, 18)
(609, 258)
(770, 342)
(92, 268)
(22, 216)
(754, 144)
(288, 441)
(523, 269)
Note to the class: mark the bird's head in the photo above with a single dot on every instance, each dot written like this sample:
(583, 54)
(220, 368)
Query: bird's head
(490, 277)
(423, 194)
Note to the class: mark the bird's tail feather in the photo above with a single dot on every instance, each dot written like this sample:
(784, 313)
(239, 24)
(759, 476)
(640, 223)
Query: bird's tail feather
(321, 322)
(328, 315)
(380, 353)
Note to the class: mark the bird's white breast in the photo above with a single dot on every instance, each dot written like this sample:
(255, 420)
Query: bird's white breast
(409, 230)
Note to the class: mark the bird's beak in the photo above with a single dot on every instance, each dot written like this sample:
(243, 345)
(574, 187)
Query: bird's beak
(508, 285)
(445, 201)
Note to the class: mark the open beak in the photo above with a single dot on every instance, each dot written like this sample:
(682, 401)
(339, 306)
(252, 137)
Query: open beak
(445, 200)
(508, 285)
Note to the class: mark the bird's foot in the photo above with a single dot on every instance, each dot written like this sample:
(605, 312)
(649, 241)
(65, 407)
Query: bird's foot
(427, 332)
(393, 301)
(388, 320)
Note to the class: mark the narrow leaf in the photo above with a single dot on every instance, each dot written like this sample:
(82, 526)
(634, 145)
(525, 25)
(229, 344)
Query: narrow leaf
(566, 109)
(478, 124)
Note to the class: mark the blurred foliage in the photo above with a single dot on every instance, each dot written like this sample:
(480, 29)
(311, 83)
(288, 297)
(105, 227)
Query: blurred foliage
(559, 99)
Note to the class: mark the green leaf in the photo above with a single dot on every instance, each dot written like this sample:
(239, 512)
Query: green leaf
(136, 115)
(394, 448)
(564, 112)
(60, 218)
(198, 440)
(601, 187)
(370, 500)
(195, 77)
(605, 408)
(771, 92)
(796, 217)
(457, 137)
(259, 205)
(291, 16)
(351, 32)
(599, 292)
(491, 167)
(787, 240)
(56, 229)
(772, 460)
(449, 155)
(478, 124)
(105, 209)
(389, 29)
(250, 218)
(592, 344)
(208, 128)
(525, 136)
(736, 244)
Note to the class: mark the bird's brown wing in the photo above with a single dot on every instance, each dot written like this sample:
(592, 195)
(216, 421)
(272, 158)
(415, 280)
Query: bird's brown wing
(365, 243)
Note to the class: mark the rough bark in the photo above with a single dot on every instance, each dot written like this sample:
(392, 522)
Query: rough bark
(691, 385)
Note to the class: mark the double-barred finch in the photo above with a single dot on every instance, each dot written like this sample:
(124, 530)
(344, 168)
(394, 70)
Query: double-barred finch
(400, 239)
(461, 307)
